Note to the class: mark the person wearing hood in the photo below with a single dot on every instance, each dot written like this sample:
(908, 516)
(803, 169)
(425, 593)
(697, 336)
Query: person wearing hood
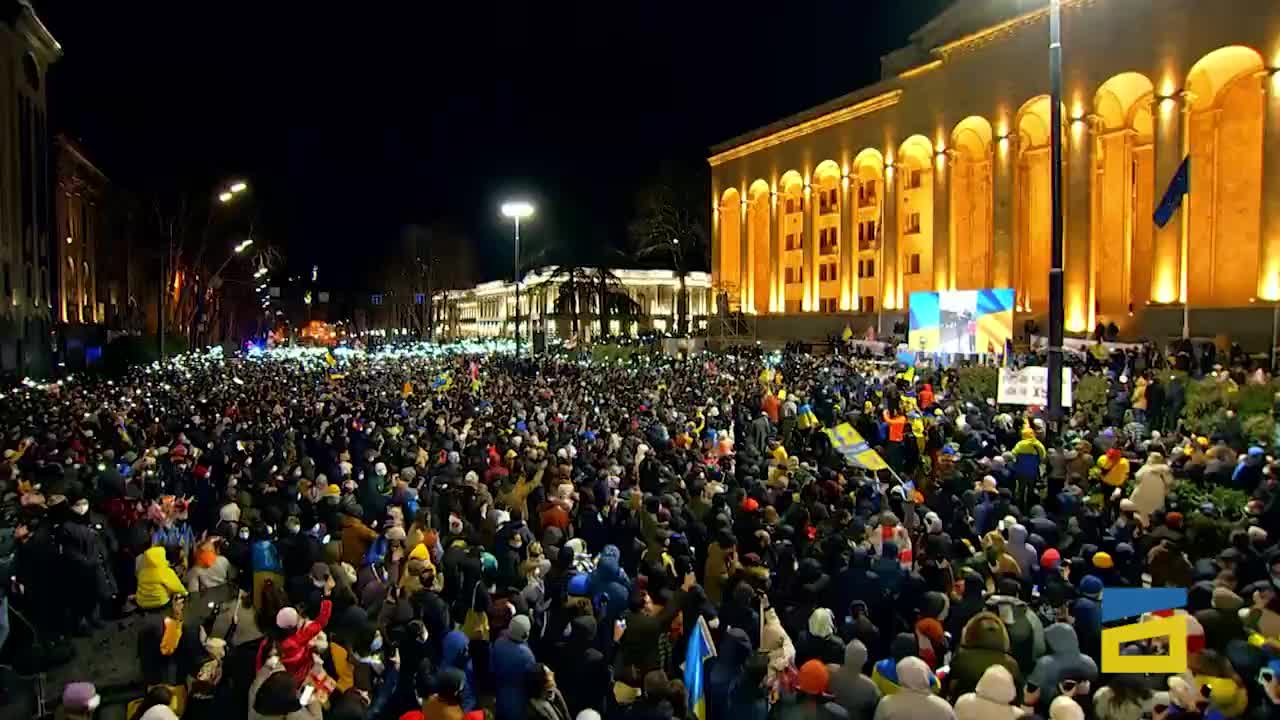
(1028, 461)
(984, 642)
(818, 641)
(1151, 486)
(583, 670)
(1026, 632)
(1064, 658)
(157, 582)
(849, 685)
(992, 699)
(356, 536)
(724, 671)
(915, 701)
(456, 657)
(1022, 551)
(970, 603)
(511, 661)
(1065, 708)
(609, 585)
(446, 703)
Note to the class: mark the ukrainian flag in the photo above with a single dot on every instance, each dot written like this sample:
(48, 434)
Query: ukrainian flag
(849, 443)
(329, 359)
(700, 648)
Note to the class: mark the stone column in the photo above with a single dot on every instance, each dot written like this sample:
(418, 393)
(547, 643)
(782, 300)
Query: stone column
(848, 247)
(746, 288)
(717, 249)
(892, 283)
(776, 290)
(1002, 174)
(808, 299)
(943, 263)
(1269, 263)
(1170, 148)
(1077, 281)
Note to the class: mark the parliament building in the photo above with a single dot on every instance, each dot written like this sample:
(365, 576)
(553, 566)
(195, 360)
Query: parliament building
(938, 176)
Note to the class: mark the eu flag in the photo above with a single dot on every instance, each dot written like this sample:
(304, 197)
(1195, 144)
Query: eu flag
(700, 648)
(1179, 186)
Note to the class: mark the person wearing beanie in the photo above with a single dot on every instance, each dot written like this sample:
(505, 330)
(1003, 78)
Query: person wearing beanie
(80, 700)
(915, 701)
(446, 702)
(1102, 561)
(1086, 612)
(511, 660)
(992, 699)
(810, 694)
(294, 650)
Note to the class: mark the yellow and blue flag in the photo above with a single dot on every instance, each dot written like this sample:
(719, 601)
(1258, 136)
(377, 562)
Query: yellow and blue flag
(329, 359)
(700, 648)
(849, 443)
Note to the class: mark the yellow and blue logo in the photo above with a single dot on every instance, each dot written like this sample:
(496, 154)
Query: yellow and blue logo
(1119, 603)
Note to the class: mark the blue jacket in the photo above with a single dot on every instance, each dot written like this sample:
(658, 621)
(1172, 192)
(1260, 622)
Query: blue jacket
(265, 558)
(510, 662)
(609, 583)
(455, 656)
(723, 673)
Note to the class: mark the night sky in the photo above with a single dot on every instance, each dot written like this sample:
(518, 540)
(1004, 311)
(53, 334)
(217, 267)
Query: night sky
(351, 122)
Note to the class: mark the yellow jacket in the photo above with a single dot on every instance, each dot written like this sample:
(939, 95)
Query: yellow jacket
(1114, 474)
(157, 582)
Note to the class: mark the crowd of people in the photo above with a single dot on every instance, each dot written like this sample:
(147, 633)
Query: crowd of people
(445, 534)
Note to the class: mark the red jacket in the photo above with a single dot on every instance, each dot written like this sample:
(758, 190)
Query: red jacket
(295, 650)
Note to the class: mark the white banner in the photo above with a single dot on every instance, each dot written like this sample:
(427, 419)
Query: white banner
(1030, 386)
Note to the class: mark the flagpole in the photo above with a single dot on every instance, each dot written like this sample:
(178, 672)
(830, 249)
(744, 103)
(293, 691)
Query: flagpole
(1056, 310)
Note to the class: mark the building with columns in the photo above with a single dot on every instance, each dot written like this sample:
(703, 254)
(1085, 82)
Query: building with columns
(489, 309)
(938, 176)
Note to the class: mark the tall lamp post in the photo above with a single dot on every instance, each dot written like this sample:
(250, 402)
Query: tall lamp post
(517, 209)
(1056, 310)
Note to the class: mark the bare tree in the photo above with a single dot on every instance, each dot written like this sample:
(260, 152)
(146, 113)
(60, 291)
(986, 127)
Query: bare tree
(670, 224)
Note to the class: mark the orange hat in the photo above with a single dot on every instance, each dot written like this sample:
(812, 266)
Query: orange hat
(750, 505)
(813, 678)
(930, 628)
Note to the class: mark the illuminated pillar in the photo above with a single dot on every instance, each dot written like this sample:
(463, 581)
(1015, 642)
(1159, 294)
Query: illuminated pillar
(746, 285)
(942, 260)
(776, 290)
(808, 301)
(1002, 171)
(717, 245)
(889, 240)
(1170, 148)
(848, 247)
(1077, 278)
(1269, 263)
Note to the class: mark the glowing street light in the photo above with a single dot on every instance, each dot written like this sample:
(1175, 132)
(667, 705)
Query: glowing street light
(238, 187)
(225, 196)
(517, 209)
(261, 271)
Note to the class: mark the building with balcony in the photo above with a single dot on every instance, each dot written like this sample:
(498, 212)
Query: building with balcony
(26, 209)
(938, 176)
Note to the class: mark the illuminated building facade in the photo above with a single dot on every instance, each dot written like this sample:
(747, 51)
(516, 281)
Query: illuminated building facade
(938, 176)
(489, 309)
(26, 209)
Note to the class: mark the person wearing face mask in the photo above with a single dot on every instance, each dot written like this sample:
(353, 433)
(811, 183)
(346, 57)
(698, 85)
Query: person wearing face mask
(85, 545)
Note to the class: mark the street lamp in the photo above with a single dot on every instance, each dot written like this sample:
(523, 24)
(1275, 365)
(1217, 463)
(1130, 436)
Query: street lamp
(517, 209)
(1056, 309)
(225, 196)
(238, 187)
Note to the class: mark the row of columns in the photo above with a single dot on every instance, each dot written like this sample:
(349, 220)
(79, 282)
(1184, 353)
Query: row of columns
(1170, 255)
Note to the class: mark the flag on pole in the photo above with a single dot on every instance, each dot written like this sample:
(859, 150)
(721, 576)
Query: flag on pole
(1179, 186)
(849, 443)
(700, 648)
(329, 359)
